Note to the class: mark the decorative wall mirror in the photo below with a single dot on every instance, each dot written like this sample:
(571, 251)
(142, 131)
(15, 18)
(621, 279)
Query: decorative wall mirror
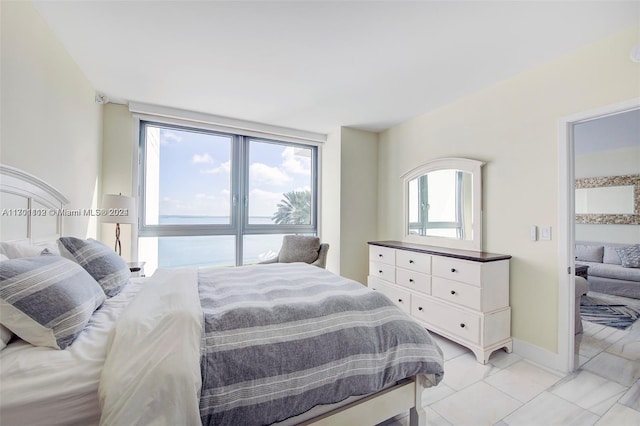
(443, 204)
(608, 200)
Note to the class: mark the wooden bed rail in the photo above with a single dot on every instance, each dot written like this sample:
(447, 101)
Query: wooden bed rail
(405, 396)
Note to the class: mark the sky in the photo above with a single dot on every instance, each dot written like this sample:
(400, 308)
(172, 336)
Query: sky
(195, 174)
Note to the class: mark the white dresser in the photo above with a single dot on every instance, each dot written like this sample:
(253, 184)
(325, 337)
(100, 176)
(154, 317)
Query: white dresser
(461, 295)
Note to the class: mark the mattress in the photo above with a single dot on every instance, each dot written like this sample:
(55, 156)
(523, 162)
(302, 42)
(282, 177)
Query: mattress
(44, 386)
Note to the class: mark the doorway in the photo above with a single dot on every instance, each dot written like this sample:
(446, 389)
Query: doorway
(567, 234)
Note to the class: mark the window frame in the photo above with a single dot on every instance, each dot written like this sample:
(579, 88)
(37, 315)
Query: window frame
(424, 221)
(253, 229)
(239, 225)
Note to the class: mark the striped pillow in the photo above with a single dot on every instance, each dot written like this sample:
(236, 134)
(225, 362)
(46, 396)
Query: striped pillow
(101, 262)
(47, 300)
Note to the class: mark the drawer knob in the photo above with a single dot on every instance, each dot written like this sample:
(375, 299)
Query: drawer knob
(380, 255)
(462, 325)
(410, 261)
(410, 280)
(453, 292)
(380, 272)
(400, 300)
(419, 308)
(453, 269)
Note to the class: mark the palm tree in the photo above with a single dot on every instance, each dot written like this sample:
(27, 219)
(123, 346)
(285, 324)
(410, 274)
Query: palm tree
(294, 209)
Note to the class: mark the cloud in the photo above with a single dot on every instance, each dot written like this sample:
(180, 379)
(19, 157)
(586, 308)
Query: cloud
(204, 158)
(202, 196)
(200, 204)
(261, 173)
(223, 168)
(171, 206)
(166, 137)
(263, 203)
(296, 160)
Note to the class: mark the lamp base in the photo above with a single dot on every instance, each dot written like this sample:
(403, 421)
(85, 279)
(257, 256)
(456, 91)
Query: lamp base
(118, 246)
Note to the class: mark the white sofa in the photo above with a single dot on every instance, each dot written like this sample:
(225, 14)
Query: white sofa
(606, 273)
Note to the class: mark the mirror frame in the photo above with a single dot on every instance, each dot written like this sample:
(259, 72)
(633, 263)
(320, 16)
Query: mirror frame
(611, 219)
(466, 165)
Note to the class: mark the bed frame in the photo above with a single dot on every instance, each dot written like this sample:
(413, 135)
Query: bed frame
(22, 193)
(30, 208)
(405, 396)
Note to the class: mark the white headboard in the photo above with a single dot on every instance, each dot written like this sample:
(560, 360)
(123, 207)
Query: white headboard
(30, 208)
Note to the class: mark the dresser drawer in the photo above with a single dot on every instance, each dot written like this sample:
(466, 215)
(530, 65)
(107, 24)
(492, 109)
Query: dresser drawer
(457, 270)
(413, 280)
(460, 294)
(382, 271)
(399, 297)
(382, 255)
(458, 322)
(457, 292)
(418, 262)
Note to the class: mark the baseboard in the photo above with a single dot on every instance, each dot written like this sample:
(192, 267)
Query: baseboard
(540, 356)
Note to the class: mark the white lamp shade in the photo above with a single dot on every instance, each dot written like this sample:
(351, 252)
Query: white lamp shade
(118, 209)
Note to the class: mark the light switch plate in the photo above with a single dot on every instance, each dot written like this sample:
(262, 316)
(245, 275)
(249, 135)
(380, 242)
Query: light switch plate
(545, 233)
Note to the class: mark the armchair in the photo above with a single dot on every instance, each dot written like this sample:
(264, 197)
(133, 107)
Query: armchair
(300, 248)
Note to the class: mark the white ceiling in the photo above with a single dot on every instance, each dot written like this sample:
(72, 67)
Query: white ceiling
(319, 65)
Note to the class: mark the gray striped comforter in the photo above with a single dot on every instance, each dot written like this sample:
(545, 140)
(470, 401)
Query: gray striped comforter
(281, 338)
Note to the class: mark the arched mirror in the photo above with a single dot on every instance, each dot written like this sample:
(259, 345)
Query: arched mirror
(443, 204)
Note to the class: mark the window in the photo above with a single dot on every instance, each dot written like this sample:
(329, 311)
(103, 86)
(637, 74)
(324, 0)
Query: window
(212, 199)
(440, 188)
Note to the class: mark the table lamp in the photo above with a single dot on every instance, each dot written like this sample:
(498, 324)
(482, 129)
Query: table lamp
(118, 209)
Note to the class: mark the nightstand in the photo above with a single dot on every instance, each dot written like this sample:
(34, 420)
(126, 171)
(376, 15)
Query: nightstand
(136, 268)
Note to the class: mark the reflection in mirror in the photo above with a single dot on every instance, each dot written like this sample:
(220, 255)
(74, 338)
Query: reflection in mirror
(605, 200)
(608, 200)
(443, 205)
(440, 204)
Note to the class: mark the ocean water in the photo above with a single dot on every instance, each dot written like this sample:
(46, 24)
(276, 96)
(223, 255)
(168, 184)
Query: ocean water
(216, 250)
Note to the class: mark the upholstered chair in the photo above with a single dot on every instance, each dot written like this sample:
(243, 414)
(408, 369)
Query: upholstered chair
(301, 248)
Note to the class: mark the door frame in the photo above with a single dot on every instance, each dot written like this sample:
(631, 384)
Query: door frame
(566, 224)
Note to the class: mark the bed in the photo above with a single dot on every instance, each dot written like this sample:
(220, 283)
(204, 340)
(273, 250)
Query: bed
(264, 344)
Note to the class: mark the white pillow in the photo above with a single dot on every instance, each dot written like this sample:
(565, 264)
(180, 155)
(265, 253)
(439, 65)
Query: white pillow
(3, 257)
(19, 250)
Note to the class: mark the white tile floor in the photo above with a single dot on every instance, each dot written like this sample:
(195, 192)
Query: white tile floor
(604, 390)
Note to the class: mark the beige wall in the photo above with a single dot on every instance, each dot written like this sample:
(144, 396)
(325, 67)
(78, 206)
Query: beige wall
(358, 201)
(51, 126)
(349, 200)
(117, 167)
(513, 127)
(330, 198)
